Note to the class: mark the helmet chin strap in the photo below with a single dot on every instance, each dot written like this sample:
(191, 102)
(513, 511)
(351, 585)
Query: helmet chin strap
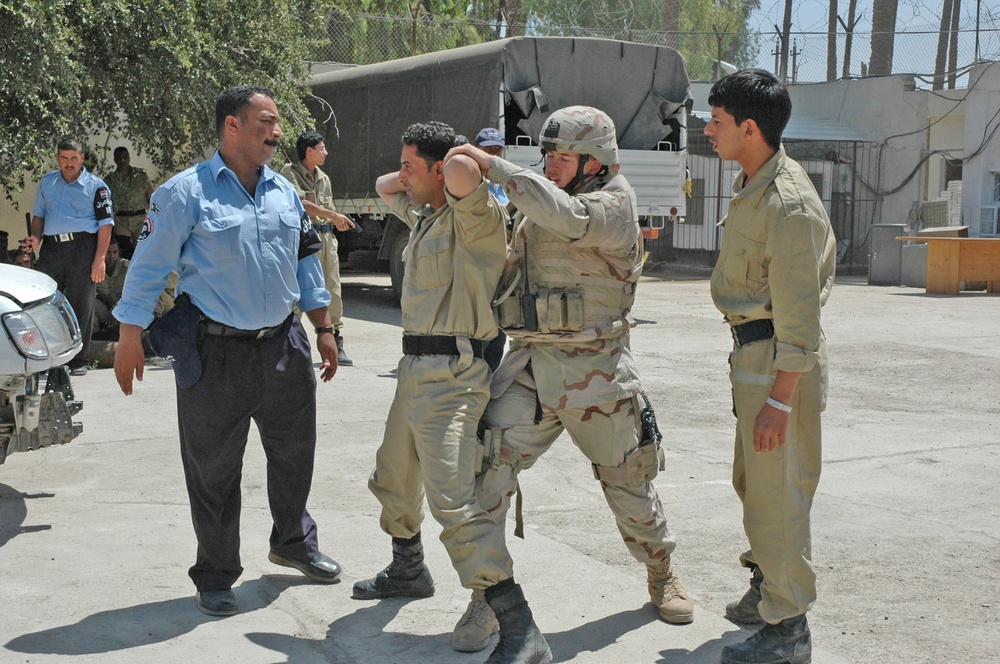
(580, 177)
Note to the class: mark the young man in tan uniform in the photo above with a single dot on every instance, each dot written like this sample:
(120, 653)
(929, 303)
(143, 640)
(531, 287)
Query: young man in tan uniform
(570, 367)
(774, 273)
(130, 190)
(316, 192)
(454, 260)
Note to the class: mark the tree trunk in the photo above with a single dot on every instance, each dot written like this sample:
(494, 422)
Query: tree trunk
(883, 36)
(953, 52)
(942, 51)
(514, 15)
(786, 29)
(831, 44)
(671, 24)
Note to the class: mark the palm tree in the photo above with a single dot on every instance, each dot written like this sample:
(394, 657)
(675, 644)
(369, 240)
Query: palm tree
(883, 36)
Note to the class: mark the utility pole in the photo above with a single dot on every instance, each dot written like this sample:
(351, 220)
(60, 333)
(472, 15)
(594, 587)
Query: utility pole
(795, 61)
(776, 52)
(978, 7)
(849, 38)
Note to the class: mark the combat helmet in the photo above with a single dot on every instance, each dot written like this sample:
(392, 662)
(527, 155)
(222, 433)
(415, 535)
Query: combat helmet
(582, 129)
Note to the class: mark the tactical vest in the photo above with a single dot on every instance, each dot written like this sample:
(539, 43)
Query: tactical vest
(570, 293)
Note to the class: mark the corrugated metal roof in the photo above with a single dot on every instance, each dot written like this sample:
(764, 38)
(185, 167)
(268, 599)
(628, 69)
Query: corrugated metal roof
(809, 129)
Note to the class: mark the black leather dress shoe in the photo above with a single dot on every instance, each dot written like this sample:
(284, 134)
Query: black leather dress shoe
(217, 603)
(318, 568)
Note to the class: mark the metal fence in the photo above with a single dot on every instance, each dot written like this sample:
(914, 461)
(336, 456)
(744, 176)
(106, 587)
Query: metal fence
(365, 38)
(845, 175)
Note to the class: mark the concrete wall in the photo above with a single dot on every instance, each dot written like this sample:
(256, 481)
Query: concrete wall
(881, 109)
(946, 117)
(982, 108)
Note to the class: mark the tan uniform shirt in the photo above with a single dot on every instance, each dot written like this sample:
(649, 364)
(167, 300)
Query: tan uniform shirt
(778, 259)
(130, 191)
(110, 290)
(581, 373)
(453, 264)
(313, 188)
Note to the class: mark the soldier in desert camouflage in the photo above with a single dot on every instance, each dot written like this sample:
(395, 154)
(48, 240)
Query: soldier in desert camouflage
(566, 304)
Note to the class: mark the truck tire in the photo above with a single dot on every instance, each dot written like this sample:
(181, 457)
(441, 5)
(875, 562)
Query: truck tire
(396, 264)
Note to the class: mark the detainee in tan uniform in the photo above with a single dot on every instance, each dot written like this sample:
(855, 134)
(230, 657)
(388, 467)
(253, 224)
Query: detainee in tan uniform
(454, 260)
(316, 192)
(775, 271)
(567, 311)
(130, 191)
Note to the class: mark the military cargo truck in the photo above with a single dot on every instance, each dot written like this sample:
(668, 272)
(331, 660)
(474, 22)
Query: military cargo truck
(513, 85)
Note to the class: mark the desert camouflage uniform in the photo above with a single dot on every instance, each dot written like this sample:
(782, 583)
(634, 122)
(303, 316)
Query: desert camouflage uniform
(318, 189)
(453, 262)
(584, 257)
(110, 291)
(130, 193)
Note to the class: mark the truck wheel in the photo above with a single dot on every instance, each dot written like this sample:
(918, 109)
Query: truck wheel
(396, 264)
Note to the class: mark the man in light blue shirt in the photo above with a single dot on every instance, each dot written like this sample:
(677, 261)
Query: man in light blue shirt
(72, 214)
(233, 230)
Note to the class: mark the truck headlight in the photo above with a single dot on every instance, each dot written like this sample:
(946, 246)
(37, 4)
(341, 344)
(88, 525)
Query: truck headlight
(43, 329)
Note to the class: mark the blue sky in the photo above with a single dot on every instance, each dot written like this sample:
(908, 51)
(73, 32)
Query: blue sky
(913, 53)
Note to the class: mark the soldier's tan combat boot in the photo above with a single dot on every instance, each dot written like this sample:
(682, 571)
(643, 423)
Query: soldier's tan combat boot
(668, 594)
(744, 611)
(473, 631)
(788, 642)
(406, 575)
(521, 642)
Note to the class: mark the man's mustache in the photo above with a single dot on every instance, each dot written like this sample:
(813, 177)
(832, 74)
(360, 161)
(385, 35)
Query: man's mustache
(272, 142)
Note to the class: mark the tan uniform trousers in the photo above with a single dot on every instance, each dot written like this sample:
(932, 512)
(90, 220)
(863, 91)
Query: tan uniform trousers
(605, 434)
(129, 226)
(777, 488)
(429, 446)
(330, 261)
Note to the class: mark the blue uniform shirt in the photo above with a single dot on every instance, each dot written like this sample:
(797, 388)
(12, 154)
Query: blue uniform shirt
(237, 256)
(500, 194)
(80, 206)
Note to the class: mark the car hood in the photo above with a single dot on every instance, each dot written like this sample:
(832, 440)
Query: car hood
(24, 285)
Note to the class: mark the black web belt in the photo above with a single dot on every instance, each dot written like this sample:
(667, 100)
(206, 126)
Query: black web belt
(438, 345)
(755, 330)
(220, 330)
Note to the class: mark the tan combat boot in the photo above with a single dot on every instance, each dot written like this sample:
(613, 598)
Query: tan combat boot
(668, 594)
(473, 631)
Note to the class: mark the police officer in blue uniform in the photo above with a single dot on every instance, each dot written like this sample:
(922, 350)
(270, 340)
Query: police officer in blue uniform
(72, 220)
(232, 229)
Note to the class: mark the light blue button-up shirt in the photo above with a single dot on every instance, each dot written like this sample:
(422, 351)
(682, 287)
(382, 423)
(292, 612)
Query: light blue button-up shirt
(237, 256)
(80, 206)
(500, 194)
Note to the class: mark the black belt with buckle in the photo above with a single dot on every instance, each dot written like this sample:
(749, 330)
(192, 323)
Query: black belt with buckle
(131, 213)
(220, 330)
(324, 228)
(755, 330)
(438, 345)
(66, 237)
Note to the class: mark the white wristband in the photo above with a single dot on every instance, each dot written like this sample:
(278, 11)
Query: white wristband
(774, 403)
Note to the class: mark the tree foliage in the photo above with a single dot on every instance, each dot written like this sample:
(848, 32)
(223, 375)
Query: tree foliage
(145, 70)
(366, 31)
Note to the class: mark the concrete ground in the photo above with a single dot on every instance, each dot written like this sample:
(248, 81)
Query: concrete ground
(95, 536)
